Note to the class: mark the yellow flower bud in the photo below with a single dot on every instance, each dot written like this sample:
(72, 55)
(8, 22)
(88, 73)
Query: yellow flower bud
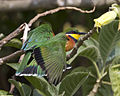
(106, 18)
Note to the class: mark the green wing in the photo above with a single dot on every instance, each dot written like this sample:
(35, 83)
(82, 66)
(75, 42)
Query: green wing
(52, 57)
(39, 34)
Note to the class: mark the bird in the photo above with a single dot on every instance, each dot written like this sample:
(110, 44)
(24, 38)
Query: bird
(48, 51)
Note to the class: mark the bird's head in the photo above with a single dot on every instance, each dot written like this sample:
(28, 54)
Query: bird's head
(72, 37)
(75, 35)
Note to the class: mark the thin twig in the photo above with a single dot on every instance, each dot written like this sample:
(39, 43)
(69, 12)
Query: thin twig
(80, 42)
(95, 88)
(13, 55)
(56, 10)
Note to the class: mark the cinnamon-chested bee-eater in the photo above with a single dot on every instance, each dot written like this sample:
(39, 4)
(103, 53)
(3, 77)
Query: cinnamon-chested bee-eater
(48, 51)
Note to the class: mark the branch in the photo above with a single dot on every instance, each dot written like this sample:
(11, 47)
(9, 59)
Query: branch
(95, 88)
(56, 10)
(12, 35)
(80, 42)
(10, 5)
(7, 58)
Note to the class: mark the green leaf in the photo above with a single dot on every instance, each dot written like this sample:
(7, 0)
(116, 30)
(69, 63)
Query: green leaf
(117, 48)
(108, 37)
(37, 92)
(114, 72)
(84, 69)
(54, 90)
(103, 90)
(4, 93)
(24, 89)
(24, 62)
(40, 83)
(72, 82)
(90, 42)
(14, 65)
(115, 79)
(90, 52)
(14, 43)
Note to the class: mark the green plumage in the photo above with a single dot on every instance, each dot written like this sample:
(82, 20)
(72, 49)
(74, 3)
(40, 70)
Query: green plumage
(48, 52)
(54, 55)
(40, 34)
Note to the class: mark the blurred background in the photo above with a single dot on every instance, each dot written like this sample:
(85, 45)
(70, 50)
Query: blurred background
(15, 12)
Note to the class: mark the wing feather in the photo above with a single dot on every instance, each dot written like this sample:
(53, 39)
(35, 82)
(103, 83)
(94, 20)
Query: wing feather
(54, 58)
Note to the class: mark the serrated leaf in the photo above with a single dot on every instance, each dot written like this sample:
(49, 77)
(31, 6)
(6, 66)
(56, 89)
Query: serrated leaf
(108, 37)
(16, 43)
(72, 82)
(24, 89)
(40, 83)
(14, 65)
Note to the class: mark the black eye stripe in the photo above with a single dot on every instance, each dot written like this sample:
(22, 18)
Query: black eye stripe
(75, 32)
(73, 38)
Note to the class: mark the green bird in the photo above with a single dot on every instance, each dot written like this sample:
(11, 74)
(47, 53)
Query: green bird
(48, 51)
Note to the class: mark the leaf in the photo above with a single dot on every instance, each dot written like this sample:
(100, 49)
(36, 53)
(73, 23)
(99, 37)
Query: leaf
(90, 52)
(24, 89)
(37, 92)
(40, 83)
(114, 72)
(72, 82)
(14, 65)
(84, 69)
(90, 42)
(54, 90)
(103, 90)
(117, 48)
(4, 93)
(108, 37)
(14, 43)
(24, 62)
